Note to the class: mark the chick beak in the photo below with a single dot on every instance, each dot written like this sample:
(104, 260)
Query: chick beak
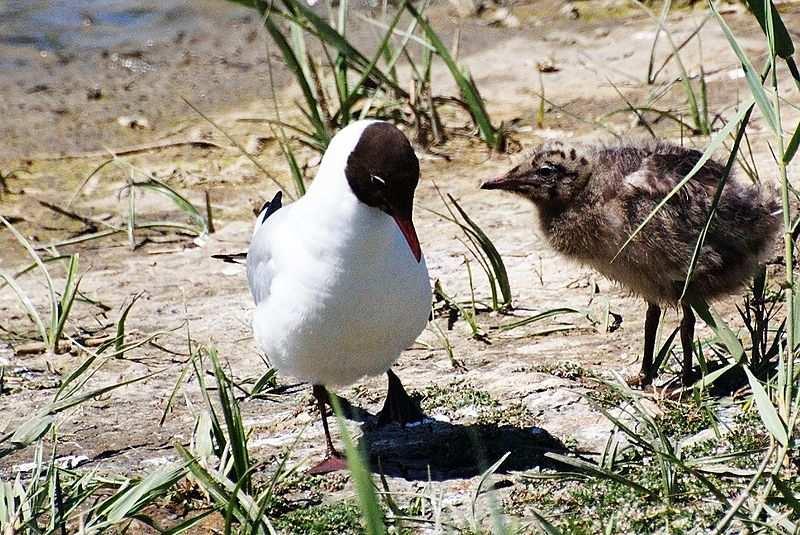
(410, 234)
(504, 182)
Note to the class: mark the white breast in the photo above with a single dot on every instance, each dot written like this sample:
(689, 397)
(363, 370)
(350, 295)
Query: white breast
(339, 294)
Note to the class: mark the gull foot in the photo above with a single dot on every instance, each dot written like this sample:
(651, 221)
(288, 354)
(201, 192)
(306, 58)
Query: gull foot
(332, 463)
(399, 407)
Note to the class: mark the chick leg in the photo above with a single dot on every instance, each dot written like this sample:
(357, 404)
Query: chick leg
(651, 321)
(687, 343)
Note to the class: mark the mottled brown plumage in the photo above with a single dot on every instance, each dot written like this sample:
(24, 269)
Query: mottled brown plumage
(592, 198)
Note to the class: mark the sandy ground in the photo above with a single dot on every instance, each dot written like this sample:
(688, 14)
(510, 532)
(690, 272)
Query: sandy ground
(184, 290)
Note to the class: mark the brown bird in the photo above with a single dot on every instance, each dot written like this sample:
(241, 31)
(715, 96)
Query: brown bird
(592, 198)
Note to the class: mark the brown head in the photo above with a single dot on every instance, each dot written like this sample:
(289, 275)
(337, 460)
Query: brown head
(551, 175)
(383, 171)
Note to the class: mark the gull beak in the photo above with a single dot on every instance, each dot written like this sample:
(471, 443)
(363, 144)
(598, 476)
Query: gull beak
(410, 234)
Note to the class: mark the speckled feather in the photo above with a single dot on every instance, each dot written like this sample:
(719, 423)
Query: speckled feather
(604, 193)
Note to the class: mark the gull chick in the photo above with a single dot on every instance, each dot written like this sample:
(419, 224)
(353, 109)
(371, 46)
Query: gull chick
(338, 277)
(591, 199)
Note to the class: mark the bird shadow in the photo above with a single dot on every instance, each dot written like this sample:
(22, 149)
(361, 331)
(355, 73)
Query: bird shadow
(438, 451)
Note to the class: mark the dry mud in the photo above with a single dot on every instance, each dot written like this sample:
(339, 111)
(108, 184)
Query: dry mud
(187, 293)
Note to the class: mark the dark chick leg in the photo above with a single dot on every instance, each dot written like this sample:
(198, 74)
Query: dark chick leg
(333, 459)
(687, 343)
(651, 320)
(398, 407)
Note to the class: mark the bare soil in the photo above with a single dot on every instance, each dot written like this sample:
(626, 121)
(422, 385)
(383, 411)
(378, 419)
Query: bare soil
(533, 406)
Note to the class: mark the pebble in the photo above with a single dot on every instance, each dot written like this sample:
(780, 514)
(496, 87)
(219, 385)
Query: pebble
(135, 122)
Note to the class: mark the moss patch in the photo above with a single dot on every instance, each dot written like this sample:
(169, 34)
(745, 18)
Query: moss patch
(342, 518)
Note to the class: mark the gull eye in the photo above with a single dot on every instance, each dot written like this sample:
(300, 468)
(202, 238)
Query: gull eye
(375, 179)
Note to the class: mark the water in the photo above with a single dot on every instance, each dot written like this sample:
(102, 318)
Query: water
(74, 26)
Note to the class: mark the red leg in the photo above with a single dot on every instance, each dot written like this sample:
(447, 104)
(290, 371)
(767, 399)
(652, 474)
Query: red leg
(333, 461)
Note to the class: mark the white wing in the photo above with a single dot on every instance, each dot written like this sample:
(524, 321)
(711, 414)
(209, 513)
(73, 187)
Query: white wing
(259, 265)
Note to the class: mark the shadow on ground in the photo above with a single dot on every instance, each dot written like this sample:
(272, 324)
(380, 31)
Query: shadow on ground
(440, 450)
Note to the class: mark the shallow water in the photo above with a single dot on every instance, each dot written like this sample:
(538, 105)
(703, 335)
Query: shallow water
(75, 26)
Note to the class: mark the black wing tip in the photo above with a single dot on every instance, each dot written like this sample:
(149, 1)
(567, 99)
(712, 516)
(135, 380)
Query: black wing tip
(270, 207)
(230, 258)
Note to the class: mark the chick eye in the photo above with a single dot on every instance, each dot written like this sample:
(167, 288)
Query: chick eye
(547, 171)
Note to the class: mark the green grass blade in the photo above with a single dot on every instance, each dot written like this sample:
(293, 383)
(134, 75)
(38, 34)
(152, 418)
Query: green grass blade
(766, 410)
(237, 436)
(240, 147)
(367, 497)
(31, 251)
(29, 432)
(72, 401)
(465, 85)
(330, 36)
(791, 148)
(294, 168)
(131, 215)
(300, 71)
(709, 379)
(189, 524)
(538, 317)
(685, 80)
(74, 375)
(651, 78)
(633, 109)
(713, 145)
(86, 181)
(37, 421)
(720, 329)
(355, 91)
(483, 480)
(597, 471)
(545, 524)
(120, 338)
(498, 266)
(133, 499)
(752, 76)
(715, 201)
(34, 265)
(67, 299)
(783, 41)
(27, 304)
(179, 200)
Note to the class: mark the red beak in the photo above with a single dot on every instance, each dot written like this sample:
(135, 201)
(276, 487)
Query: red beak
(410, 234)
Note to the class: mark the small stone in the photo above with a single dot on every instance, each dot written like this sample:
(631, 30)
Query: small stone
(547, 65)
(255, 144)
(95, 93)
(465, 8)
(135, 122)
(540, 402)
(503, 17)
(303, 418)
(570, 11)
(601, 32)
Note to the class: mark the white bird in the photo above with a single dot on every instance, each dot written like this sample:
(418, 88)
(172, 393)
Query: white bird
(338, 277)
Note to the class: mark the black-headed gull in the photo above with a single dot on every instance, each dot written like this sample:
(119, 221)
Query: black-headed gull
(338, 277)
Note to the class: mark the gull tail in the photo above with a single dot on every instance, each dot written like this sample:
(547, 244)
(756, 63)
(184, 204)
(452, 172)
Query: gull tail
(236, 258)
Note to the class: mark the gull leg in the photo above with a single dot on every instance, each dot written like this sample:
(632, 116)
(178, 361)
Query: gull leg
(333, 461)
